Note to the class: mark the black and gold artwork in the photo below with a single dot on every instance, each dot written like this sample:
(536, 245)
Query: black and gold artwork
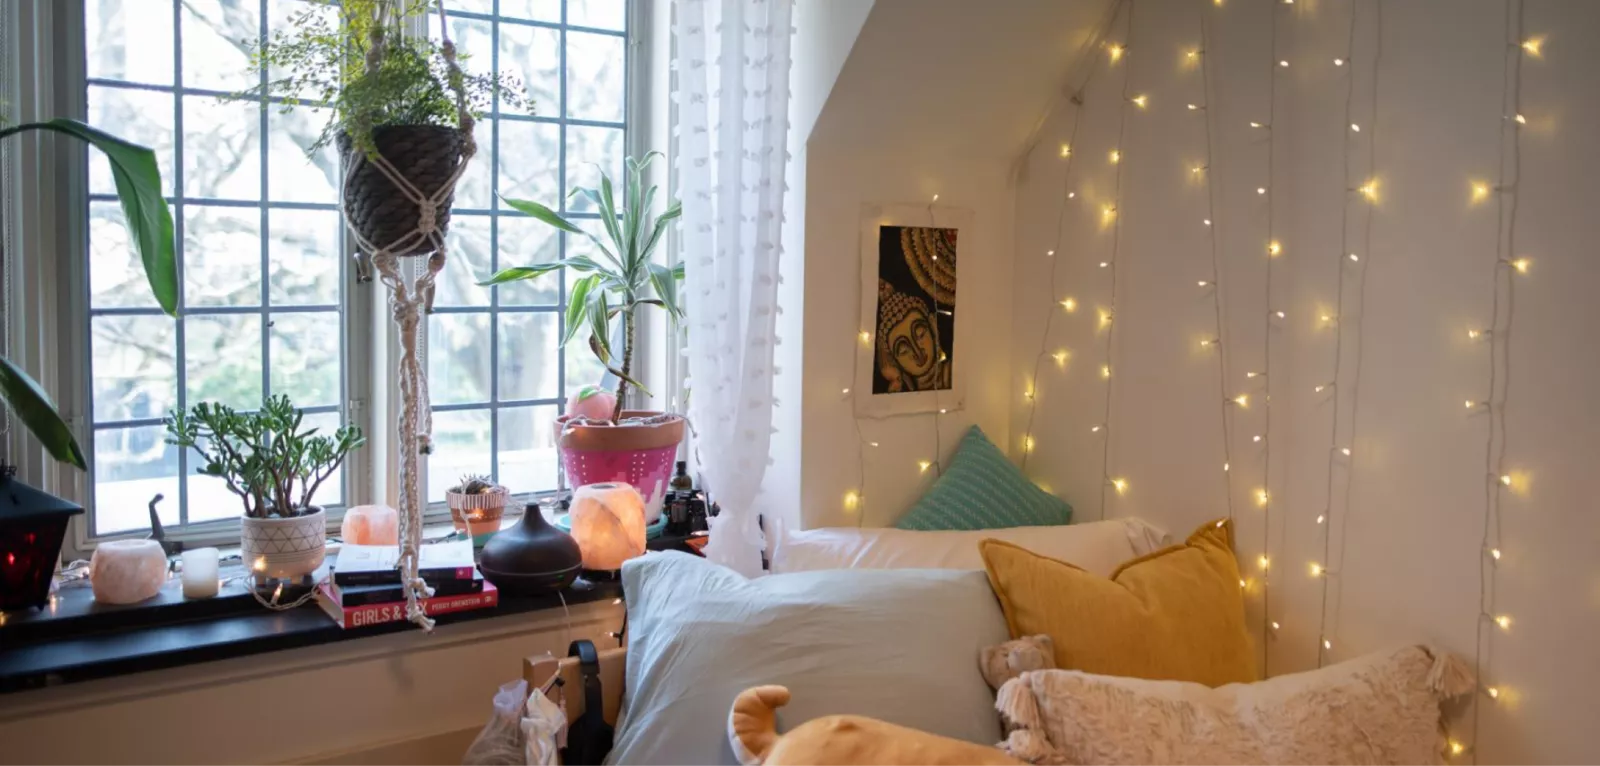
(914, 342)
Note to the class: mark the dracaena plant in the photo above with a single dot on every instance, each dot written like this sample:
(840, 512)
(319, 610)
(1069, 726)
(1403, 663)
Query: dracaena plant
(138, 183)
(273, 465)
(623, 280)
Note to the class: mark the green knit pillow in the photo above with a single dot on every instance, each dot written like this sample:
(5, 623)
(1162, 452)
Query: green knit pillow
(981, 489)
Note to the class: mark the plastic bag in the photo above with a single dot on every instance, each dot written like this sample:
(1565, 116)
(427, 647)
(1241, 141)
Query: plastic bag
(542, 726)
(501, 743)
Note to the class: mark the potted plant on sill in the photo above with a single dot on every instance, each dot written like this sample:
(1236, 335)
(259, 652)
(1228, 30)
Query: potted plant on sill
(476, 506)
(632, 446)
(276, 469)
(401, 110)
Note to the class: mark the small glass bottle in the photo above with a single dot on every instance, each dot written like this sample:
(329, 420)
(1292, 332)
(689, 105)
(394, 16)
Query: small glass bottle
(681, 480)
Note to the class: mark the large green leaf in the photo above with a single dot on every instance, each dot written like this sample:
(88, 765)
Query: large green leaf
(578, 305)
(554, 219)
(33, 407)
(138, 182)
(579, 263)
(600, 324)
(666, 288)
(672, 213)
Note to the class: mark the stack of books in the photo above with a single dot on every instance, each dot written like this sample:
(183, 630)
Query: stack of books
(365, 588)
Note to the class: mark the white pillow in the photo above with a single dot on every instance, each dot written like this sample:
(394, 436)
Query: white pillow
(1097, 547)
(1378, 708)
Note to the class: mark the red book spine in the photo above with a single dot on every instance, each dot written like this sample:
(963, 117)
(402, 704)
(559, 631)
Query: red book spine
(372, 614)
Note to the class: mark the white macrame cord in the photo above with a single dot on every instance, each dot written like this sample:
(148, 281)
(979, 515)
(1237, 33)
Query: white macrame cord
(409, 304)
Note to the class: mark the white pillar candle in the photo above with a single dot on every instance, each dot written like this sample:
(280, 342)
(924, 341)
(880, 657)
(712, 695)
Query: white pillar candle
(200, 573)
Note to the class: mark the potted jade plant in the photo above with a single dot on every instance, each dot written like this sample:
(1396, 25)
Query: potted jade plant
(400, 107)
(476, 505)
(275, 468)
(632, 446)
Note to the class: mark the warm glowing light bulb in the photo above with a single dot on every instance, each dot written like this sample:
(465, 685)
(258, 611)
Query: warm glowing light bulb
(1066, 151)
(1050, 252)
(1274, 248)
(1320, 388)
(1206, 342)
(1206, 221)
(1095, 428)
(1471, 404)
(1115, 51)
(1243, 400)
(1193, 107)
(1493, 692)
(1283, 63)
(1069, 304)
(1116, 156)
(923, 466)
(1105, 370)
(1326, 644)
(1506, 480)
(1120, 484)
(874, 444)
(1321, 517)
(1224, 467)
(1338, 62)
(1504, 621)
(1275, 624)
(941, 409)
(1243, 584)
(1104, 264)
(846, 392)
(1480, 191)
(866, 337)
(1327, 318)
(1105, 317)
(1027, 394)
(1261, 497)
(1344, 451)
(1252, 374)
(1071, 195)
(1494, 553)
(1107, 213)
(1474, 334)
(1520, 120)
(1061, 357)
(1521, 265)
(260, 564)
(1256, 438)
(1370, 190)
(1027, 444)
(1140, 100)
(1256, 125)
(1198, 169)
(1261, 190)
(935, 198)
(1193, 53)
(852, 499)
(1355, 128)
(1534, 46)
(1316, 569)
(1456, 748)
(1203, 283)
(1354, 257)
(1265, 563)
(1279, 314)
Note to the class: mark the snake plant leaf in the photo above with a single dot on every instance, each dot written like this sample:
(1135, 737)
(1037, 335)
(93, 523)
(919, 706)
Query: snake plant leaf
(33, 407)
(138, 183)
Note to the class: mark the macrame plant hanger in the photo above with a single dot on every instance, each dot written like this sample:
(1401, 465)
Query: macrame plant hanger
(411, 302)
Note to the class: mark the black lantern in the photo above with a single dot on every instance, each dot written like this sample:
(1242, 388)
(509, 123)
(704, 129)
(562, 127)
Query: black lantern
(32, 525)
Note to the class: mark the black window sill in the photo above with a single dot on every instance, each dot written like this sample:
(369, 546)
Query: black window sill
(79, 640)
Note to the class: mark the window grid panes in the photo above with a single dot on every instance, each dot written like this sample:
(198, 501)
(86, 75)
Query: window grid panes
(498, 376)
(260, 248)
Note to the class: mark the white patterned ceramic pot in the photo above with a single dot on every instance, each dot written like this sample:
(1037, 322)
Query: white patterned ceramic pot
(288, 548)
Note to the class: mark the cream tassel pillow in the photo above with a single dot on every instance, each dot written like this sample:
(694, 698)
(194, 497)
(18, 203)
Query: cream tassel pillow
(1379, 708)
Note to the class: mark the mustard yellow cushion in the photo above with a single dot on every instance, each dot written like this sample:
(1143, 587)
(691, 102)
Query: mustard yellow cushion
(1175, 614)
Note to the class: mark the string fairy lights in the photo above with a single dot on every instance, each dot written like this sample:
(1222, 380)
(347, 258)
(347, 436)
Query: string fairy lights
(1069, 304)
(1506, 268)
(1211, 285)
(1347, 266)
(1119, 484)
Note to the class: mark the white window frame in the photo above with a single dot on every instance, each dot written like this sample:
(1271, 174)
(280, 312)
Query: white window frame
(47, 309)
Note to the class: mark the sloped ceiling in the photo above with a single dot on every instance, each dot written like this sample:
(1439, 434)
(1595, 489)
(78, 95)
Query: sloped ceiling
(967, 78)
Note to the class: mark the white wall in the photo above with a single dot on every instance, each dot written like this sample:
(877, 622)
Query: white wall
(1406, 544)
(927, 102)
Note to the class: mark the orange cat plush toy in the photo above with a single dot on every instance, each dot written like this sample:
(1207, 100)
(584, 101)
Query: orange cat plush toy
(838, 740)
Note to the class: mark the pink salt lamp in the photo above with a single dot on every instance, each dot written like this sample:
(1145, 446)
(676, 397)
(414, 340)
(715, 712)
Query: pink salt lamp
(127, 571)
(371, 525)
(592, 402)
(608, 523)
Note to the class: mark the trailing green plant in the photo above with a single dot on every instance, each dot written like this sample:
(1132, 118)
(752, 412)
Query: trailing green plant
(138, 183)
(361, 64)
(627, 279)
(475, 484)
(263, 456)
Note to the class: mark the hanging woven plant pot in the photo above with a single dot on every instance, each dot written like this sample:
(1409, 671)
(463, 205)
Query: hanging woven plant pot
(380, 212)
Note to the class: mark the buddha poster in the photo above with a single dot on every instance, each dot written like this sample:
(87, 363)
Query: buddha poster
(909, 357)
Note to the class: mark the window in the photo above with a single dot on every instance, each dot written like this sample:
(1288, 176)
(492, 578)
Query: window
(260, 251)
(269, 302)
(497, 375)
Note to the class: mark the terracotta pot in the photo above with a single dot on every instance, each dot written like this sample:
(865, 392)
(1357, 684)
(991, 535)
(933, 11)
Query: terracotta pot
(287, 548)
(477, 514)
(641, 456)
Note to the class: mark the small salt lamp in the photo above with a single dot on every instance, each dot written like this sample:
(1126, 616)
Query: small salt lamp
(127, 571)
(608, 523)
(371, 525)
